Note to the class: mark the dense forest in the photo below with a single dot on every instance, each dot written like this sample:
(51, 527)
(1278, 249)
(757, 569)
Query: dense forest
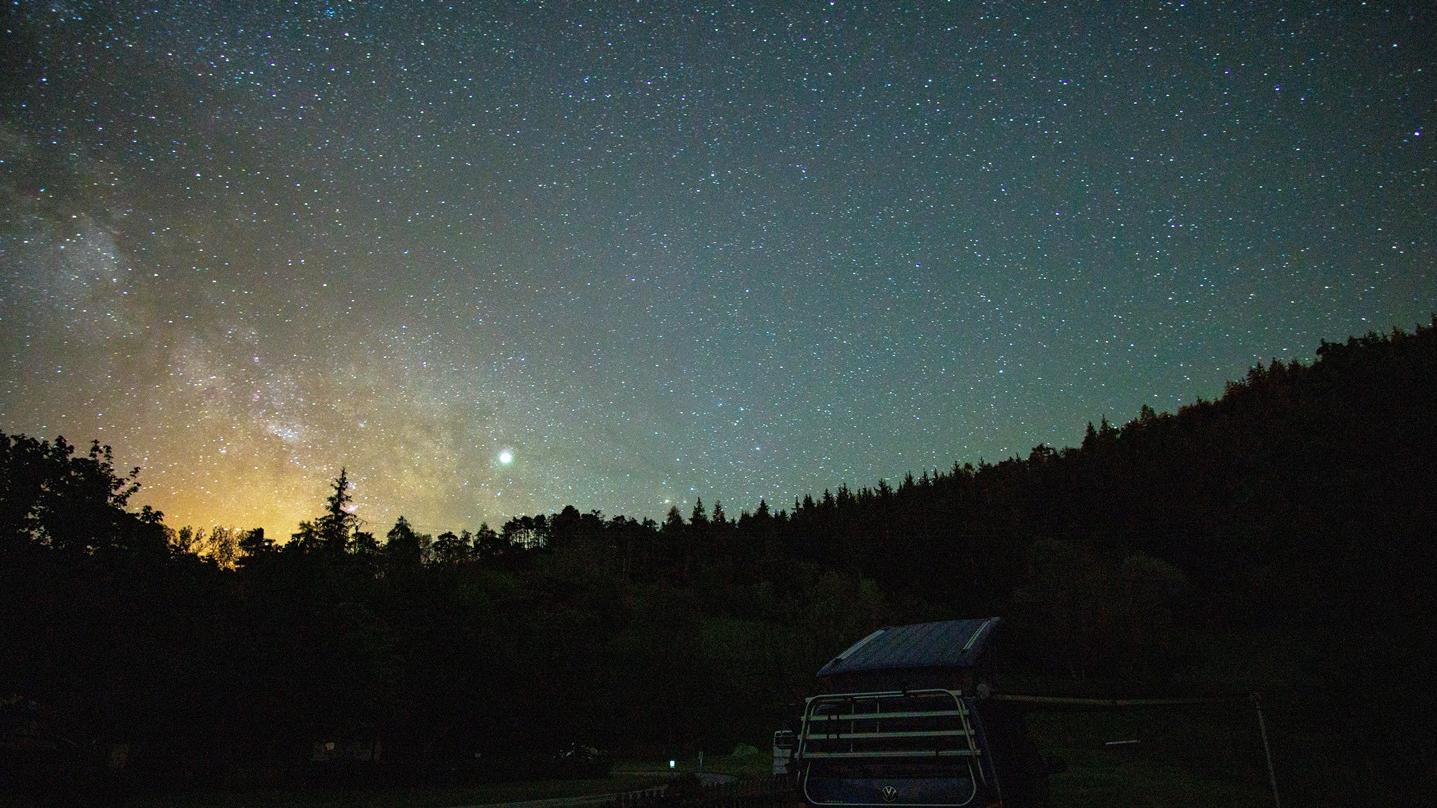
(1278, 539)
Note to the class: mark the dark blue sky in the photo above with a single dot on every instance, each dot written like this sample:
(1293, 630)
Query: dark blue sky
(661, 251)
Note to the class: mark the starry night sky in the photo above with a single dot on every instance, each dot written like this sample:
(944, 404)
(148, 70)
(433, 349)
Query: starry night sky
(660, 251)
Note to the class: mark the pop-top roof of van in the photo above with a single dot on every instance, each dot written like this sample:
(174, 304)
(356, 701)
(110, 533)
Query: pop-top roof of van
(945, 644)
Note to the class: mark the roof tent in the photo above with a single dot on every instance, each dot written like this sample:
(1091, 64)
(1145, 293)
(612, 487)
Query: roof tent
(918, 655)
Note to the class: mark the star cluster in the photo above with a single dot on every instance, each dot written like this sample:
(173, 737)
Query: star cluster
(497, 258)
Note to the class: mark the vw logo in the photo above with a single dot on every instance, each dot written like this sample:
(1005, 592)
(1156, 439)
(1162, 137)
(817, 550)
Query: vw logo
(889, 793)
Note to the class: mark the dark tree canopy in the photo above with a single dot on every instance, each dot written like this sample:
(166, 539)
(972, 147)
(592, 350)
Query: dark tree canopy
(77, 503)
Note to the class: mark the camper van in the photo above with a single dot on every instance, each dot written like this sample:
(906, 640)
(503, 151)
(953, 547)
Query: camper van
(903, 717)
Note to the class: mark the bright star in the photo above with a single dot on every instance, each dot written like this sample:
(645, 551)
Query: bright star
(506, 457)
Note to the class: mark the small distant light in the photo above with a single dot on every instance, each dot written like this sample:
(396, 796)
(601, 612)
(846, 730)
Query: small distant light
(673, 763)
(506, 457)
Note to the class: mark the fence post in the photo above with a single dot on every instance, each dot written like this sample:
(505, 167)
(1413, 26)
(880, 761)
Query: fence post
(1266, 749)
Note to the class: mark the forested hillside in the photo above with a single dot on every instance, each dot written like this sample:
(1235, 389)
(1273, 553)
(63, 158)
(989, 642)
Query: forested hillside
(1278, 539)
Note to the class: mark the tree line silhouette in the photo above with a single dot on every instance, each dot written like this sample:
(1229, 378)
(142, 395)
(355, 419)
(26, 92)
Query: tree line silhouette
(1279, 538)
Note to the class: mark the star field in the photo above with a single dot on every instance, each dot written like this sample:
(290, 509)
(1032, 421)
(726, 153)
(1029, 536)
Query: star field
(498, 258)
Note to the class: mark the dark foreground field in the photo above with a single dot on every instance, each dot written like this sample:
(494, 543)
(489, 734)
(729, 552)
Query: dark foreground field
(1181, 758)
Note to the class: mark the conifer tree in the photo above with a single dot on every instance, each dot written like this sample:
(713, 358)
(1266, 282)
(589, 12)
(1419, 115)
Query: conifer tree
(333, 530)
(403, 544)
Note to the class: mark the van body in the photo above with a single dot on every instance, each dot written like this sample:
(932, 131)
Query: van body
(904, 719)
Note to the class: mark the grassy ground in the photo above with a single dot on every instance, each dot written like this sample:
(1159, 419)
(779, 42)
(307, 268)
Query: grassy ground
(414, 797)
(627, 776)
(1183, 757)
(758, 764)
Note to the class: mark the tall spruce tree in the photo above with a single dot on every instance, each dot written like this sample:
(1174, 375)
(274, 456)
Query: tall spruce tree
(334, 529)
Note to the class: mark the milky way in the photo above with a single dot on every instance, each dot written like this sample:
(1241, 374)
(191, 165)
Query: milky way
(500, 258)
